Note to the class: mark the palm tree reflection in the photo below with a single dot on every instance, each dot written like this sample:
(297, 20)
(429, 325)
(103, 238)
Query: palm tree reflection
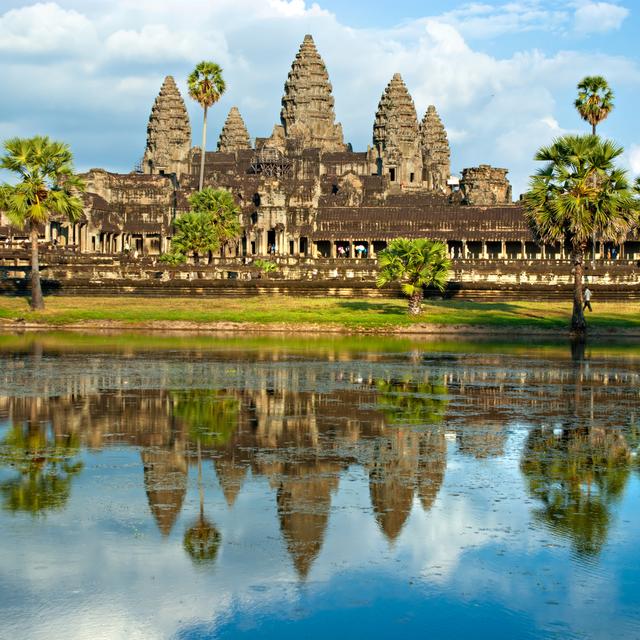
(211, 418)
(578, 474)
(201, 540)
(45, 464)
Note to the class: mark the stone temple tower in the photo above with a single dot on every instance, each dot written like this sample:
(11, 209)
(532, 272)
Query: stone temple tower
(436, 155)
(234, 135)
(168, 133)
(308, 114)
(396, 135)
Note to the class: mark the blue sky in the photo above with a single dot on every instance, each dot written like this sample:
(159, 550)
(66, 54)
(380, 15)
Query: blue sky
(502, 74)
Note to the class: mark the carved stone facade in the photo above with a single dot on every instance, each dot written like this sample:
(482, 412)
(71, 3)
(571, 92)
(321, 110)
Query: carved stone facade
(436, 155)
(485, 186)
(168, 133)
(301, 193)
(308, 115)
(234, 135)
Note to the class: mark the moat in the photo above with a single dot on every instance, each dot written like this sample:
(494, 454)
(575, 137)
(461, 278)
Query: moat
(192, 487)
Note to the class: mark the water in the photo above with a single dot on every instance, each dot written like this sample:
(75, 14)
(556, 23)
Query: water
(171, 487)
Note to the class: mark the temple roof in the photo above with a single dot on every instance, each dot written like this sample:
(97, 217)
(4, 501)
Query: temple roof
(438, 222)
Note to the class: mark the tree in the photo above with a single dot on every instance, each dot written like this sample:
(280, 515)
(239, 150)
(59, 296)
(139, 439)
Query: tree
(595, 100)
(212, 222)
(47, 186)
(194, 232)
(578, 193)
(416, 264)
(206, 85)
(266, 267)
(220, 206)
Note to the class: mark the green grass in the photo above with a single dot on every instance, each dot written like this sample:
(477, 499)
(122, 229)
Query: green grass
(335, 312)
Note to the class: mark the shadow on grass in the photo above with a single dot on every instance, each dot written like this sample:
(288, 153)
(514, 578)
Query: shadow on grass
(384, 308)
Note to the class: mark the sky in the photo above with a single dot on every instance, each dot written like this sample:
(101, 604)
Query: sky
(501, 74)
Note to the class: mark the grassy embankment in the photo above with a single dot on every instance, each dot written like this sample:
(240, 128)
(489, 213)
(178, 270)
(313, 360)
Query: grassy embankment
(318, 313)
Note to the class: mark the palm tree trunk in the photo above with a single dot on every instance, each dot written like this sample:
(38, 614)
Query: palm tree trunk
(204, 146)
(415, 302)
(593, 128)
(37, 301)
(578, 323)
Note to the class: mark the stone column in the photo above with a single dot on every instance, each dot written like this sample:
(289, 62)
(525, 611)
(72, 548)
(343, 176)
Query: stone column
(523, 250)
(333, 249)
(464, 249)
(543, 251)
(484, 250)
(503, 249)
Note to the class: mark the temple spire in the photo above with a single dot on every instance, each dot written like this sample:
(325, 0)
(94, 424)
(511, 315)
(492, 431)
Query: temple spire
(396, 134)
(307, 105)
(168, 132)
(234, 134)
(436, 155)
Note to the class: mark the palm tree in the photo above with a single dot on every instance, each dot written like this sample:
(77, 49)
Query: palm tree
(194, 233)
(212, 222)
(416, 264)
(580, 192)
(206, 85)
(595, 100)
(47, 186)
(224, 213)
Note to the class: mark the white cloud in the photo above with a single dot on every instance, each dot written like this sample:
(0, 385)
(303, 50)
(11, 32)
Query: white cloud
(599, 17)
(634, 158)
(158, 43)
(498, 108)
(45, 28)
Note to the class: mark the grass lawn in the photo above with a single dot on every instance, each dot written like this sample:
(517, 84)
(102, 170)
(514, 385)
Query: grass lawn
(350, 314)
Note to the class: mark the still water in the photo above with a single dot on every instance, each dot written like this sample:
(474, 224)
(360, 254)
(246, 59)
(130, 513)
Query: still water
(169, 487)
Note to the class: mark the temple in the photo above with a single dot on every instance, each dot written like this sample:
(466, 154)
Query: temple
(306, 197)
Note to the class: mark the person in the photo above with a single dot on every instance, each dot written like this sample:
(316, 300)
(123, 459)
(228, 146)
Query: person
(587, 299)
(340, 251)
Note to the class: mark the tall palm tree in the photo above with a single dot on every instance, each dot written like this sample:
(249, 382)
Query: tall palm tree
(415, 264)
(206, 85)
(595, 100)
(580, 192)
(47, 186)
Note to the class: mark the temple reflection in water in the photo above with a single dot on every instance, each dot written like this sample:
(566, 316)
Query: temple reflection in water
(302, 427)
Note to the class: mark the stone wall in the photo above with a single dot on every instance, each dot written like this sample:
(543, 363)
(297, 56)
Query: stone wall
(68, 273)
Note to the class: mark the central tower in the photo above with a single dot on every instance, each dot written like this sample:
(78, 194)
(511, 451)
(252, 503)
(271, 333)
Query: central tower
(307, 114)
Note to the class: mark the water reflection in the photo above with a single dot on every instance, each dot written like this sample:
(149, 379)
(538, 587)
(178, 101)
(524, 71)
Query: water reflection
(304, 426)
(45, 464)
(577, 474)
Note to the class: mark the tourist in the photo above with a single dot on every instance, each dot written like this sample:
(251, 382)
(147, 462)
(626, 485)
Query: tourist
(587, 299)
(340, 251)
